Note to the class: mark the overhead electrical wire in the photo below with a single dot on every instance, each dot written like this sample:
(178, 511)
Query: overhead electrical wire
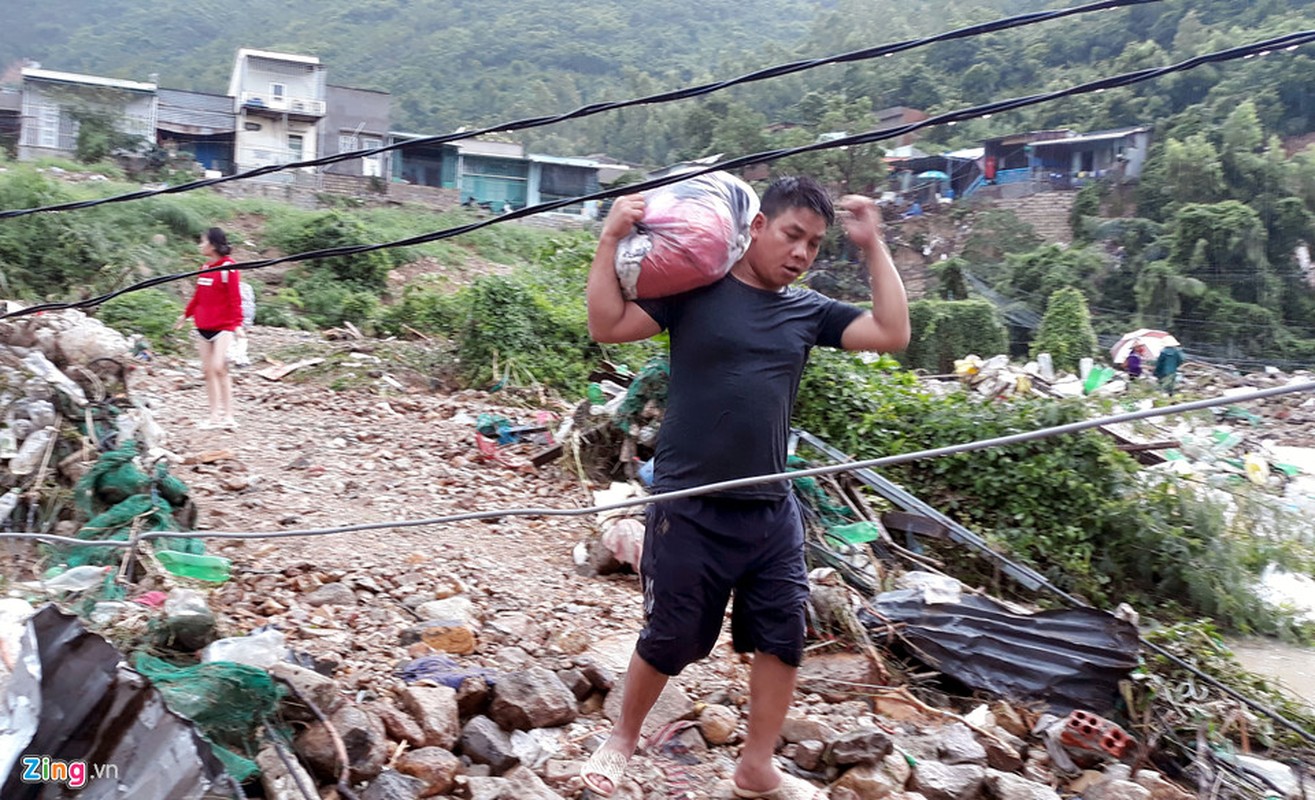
(591, 109)
(1286, 42)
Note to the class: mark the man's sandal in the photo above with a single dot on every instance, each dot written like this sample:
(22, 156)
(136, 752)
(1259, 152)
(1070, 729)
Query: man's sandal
(606, 764)
(790, 788)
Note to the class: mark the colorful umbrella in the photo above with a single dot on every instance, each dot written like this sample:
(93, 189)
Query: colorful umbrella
(1152, 341)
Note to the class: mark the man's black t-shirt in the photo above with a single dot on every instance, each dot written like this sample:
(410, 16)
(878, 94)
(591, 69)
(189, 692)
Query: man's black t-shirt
(737, 355)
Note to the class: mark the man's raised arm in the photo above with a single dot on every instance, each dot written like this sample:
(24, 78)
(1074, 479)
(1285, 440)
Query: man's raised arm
(886, 328)
(613, 318)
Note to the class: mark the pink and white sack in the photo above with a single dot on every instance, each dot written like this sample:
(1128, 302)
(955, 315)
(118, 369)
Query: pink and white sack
(691, 234)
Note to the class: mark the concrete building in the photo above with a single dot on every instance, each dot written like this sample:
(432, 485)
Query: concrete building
(54, 102)
(356, 119)
(198, 123)
(279, 100)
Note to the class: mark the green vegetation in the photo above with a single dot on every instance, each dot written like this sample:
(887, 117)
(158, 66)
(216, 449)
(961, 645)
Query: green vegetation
(1072, 507)
(150, 312)
(944, 330)
(1065, 331)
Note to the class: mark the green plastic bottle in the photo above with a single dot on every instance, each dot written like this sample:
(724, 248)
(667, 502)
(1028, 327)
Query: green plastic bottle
(215, 569)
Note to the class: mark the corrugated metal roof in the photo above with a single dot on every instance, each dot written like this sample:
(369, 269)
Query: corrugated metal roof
(90, 80)
(199, 113)
(569, 161)
(249, 52)
(1092, 137)
(475, 147)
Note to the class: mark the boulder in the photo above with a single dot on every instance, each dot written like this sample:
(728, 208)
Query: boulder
(362, 735)
(483, 742)
(533, 698)
(435, 708)
(939, 781)
(435, 767)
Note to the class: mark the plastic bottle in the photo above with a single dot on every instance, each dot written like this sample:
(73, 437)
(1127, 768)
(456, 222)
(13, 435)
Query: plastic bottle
(263, 649)
(8, 502)
(192, 565)
(41, 412)
(30, 454)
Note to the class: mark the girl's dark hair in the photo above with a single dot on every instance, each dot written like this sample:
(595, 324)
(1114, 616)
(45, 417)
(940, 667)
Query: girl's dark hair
(797, 192)
(218, 240)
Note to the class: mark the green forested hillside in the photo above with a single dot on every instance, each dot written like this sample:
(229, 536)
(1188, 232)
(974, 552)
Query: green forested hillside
(1210, 241)
(463, 62)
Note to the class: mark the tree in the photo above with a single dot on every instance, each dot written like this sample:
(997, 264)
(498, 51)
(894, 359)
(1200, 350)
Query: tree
(1160, 290)
(1066, 332)
(1193, 170)
(1222, 244)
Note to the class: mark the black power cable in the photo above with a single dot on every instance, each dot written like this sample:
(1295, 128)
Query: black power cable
(1265, 47)
(598, 108)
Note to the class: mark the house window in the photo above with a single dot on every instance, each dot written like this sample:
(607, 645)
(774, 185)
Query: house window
(48, 126)
(346, 143)
(373, 166)
(296, 146)
(277, 90)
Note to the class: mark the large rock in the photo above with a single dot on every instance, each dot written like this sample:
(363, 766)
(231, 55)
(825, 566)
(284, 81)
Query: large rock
(451, 609)
(808, 754)
(671, 705)
(1117, 790)
(958, 745)
(436, 767)
(939, 781)
(392, 785)
(362, 735)
(483, 742)
(331, 594)
(283, 779)
(534, 698)
(1160, 787)
(529, 786)
(449, 636)
(1008, 786)
(401, 726)
(867, 782)
(435, 708)
(718, 723)
(803, 729)
(834, 675)
(576, 682)
(862, 746)
(322, 691)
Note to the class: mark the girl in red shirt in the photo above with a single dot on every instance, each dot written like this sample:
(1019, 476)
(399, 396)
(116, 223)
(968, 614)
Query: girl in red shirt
(216, 308)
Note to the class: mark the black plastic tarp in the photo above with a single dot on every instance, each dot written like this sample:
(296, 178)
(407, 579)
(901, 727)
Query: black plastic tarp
(96, 711)
(1069, 658)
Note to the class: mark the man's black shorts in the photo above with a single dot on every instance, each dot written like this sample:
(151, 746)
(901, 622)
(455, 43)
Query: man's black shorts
(697, 551)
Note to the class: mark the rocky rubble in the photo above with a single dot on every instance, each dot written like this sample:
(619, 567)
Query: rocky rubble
(472, 660)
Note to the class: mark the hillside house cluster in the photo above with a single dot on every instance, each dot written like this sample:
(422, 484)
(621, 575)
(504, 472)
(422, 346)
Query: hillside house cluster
(1021, 164)
(281, 108)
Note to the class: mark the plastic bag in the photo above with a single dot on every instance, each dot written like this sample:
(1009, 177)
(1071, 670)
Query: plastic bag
(692, 233)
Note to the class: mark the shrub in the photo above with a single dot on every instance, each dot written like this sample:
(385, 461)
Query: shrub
(149, 312)
(944, 330)
(1066, 332)
(425, 310)
(363, 271)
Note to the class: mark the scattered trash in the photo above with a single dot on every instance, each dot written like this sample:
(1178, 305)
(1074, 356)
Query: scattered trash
(263, 649)
(88, 707)
(443, 670)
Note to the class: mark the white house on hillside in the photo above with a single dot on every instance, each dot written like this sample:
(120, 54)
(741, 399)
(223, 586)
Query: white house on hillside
(279, 100)
(53, 101)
